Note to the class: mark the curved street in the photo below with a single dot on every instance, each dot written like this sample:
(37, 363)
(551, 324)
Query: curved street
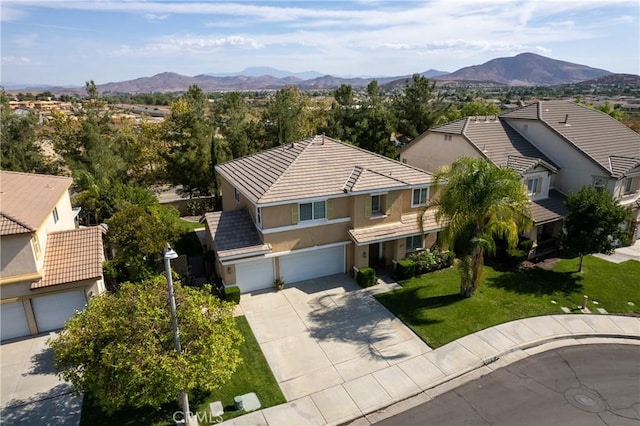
(574, 385)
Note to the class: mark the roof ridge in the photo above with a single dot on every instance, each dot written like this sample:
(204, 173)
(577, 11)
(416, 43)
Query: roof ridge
(18, 221)
(309, 141)
(68, 231)
(387, 176)
(36, 174)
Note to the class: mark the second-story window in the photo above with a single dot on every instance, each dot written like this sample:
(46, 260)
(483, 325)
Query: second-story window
(375, 204)
(628, 186)
(420, 196)
(533, 186)
(259, 217)
(236, 195)
(313, 211)
(35, 242)
(56, 218)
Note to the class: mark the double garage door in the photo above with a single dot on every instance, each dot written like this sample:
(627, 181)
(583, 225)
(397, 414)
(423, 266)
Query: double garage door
(258, 275)
(50, 312)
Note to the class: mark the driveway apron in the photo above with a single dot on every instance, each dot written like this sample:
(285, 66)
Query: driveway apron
(320, 333)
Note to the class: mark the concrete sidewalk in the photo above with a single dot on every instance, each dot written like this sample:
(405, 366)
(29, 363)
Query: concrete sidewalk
(424, 376)
(622, 254)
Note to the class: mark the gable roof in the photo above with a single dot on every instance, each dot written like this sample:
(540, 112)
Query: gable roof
(26, 199)
(72, 256)
(499, 142)
(318, 166)
(234, 234)
(611, 144)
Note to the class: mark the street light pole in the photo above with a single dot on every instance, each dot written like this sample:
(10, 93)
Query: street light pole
(170, 254)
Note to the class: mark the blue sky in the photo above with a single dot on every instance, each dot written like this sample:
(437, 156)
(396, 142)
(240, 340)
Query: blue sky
(66, 42)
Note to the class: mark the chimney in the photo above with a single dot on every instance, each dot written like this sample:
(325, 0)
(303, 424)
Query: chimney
(322, 139)
(566, 119)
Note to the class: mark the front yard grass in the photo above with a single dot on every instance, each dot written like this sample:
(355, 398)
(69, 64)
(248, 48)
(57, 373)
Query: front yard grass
(431, 306)
(252, 375)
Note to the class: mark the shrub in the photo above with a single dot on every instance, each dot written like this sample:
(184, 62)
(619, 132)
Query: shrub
(278, 284)
(431, 260)
(405, 269)
(525, 244)
(232, 294)
(515, 256)
(366, 277)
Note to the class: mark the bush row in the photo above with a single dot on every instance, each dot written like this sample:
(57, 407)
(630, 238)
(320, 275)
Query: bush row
(366, 277)
(421, 262)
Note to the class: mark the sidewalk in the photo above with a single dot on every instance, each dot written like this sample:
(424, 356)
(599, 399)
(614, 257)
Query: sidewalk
(622, 254)
(451, 365)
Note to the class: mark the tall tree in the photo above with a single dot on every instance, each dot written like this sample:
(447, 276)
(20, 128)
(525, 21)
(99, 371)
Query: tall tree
(418, 107)
(375, 123)
(285, 115)
(479, 202)
(231, 117)
(120, 349)
(593, 224)
(343, 115)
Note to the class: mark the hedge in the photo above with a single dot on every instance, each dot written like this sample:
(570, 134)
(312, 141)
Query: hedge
(366, 277)
(405, 269)
(431, 260)
(232, 294)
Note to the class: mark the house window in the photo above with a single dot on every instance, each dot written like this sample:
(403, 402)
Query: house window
(414, 242)
(599, 183)
(236, 195)
(313, 211)
(420, 196)
(404, 161)
(628, 185)
(56, 218)
(447, 137)
(533, 186)
(35, 242)
(259, 217)
(375, 204)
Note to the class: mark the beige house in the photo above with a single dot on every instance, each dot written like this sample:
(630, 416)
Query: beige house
(314, 208)
(49, 269)
(557, 147)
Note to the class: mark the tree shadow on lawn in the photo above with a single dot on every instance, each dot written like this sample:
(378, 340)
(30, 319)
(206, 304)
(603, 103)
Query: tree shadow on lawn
(536, 281)
(411, 307)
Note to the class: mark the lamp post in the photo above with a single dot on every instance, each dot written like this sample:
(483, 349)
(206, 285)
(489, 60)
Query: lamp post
(170, 254)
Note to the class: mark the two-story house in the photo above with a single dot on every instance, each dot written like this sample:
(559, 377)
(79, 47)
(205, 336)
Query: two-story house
(49, 269)
(557, 147)
(313, 208)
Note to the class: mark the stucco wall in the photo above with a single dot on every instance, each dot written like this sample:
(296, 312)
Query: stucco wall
(307, 237)
(431, 151)
(17, 256)
(229, 202)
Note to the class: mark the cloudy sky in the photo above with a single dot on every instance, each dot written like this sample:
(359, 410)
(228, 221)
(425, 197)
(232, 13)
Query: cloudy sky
(66, 42)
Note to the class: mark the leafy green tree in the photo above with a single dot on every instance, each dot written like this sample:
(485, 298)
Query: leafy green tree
(479, 107)
(375, 123)
(120, 349)
(285, 116)
(593, 224)
(418, 107)
(343, 115)
(231, 117)
(480, 203)
(19, 147)
(612, 111)
(92, 90)
(137, 236)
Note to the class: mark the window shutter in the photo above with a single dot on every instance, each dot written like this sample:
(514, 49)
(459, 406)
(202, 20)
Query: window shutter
(389, 200)
(329, 209)
(367, 207)
(294, 214)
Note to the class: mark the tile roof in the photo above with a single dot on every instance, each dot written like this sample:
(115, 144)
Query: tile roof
(597, 135)
(499, 142)
(407, 227)
(10, 226)
(27, 199)
(549, 209)
(317, 166)
(234, 234)
(72, 256)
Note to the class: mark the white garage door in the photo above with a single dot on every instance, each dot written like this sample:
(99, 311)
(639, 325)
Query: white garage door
(53, 311)
(312, 264)
(14, 320)
(254, 275)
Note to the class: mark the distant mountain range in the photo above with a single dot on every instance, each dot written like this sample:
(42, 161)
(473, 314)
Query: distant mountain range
(526, 69)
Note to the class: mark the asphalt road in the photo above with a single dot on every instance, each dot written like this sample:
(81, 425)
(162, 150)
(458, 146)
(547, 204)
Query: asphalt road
(575, 385)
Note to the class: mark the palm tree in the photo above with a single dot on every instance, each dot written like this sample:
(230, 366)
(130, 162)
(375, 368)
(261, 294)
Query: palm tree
(480, 202)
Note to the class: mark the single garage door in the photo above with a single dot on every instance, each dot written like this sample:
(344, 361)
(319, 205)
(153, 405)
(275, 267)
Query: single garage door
(14, 320)
(254, 275)
(312, 264)
(53, 311)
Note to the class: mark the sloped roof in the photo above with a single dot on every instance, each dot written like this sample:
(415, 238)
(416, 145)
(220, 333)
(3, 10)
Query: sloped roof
(317, 166)
(499, 142)
(72, 256)
(408, 226)
(549, 209)
(234, 234)
(600, 137)
(27, 199)
(10, 226)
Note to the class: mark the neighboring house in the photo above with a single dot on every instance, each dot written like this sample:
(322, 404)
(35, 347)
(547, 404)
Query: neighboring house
(49, 269)
(313, 208)
(557, 147)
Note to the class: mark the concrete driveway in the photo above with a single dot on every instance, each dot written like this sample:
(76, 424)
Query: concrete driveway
(31, 393)
(320, 333)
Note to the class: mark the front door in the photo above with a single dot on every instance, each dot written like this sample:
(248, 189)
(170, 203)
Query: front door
(374, 254)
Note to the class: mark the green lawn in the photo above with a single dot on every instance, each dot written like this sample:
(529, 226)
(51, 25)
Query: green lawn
(252, 375)
(431, 306)
(188, 225)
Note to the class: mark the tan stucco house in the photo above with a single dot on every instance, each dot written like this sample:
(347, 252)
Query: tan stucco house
(557, 147)
(49, 269)
(313, 208)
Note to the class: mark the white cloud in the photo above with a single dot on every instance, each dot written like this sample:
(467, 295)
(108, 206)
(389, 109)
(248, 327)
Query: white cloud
(192, 44)
(15, 60)
(156, 17)
(8, 14)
